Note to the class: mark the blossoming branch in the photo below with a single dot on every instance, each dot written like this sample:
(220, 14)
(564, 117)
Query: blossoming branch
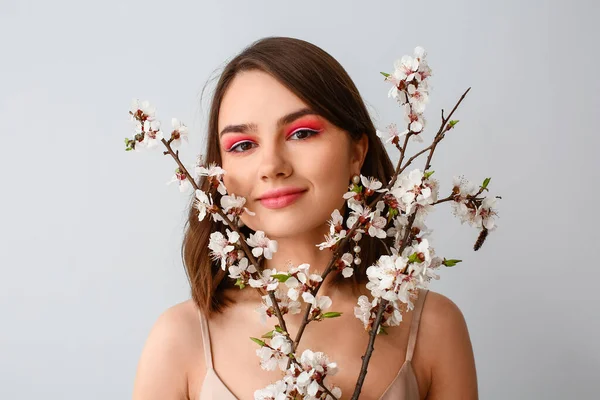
(395, 210)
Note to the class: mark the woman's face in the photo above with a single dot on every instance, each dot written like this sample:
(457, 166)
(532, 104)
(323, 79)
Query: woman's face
(270, 140)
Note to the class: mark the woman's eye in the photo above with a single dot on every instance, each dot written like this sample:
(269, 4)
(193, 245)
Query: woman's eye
(241, 146)
(300, 134)
(304, 133)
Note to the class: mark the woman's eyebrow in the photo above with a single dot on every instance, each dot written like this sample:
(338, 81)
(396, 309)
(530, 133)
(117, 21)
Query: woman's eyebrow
(286, 119)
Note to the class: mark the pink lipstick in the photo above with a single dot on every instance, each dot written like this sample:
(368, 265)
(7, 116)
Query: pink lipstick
(280, 198)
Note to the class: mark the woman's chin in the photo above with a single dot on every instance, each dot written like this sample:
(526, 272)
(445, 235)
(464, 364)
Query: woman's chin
(286, 228)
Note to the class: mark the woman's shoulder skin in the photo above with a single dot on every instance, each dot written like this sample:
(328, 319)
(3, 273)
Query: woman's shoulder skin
(446, 348)
(172, 362)
(170, 352)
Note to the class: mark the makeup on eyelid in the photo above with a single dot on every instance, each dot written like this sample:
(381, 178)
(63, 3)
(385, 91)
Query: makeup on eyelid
(310, 123)
(306, 123)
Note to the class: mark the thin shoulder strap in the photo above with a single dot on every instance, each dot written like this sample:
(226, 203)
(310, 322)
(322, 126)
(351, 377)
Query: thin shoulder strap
(414, 326)
(206, 340)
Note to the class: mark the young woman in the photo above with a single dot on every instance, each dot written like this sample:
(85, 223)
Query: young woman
(290, 128)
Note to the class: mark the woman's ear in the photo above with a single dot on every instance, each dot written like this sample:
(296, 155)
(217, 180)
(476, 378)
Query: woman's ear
(359, 152)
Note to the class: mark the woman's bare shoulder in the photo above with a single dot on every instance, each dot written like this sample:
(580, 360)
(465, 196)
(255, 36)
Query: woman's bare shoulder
(446, 345)
(169, 353)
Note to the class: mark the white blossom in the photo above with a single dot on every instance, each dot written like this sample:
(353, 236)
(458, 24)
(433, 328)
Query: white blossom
(363, 310)
(408, 187)
(152, 133)
(377, 225)
(276, 354)
(222, 246)
(179, 134)
(331, 240)
(265, 281)
(234, 205)
(415, 120)
(241, 270)
(286, 306)
(388, 278)
(181, 178)
(319, 305)
(275, 391)
(371, 184)
(485, 214)
(358, 213)
(202, 203)
(144, 107)
(214, 174)
(390, 133)
(316, 367)
(262, 245)
(301, 283)
(347, 270)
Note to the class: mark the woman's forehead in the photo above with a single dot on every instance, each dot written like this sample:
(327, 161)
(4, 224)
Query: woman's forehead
(255, 97)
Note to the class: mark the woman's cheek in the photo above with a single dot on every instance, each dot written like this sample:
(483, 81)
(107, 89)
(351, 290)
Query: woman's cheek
(236, 183)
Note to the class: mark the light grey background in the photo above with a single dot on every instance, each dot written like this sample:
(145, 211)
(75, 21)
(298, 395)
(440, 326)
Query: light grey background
(90, 235)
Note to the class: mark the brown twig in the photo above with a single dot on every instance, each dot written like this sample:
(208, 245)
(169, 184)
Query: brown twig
(367, 356)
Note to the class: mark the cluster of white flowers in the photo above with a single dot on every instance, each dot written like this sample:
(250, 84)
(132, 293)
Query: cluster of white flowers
(300, 283)
(222, 247)
(344, 264)
(395, 278)
(336, 231)
(242, 272)
(286, 305)
(266, 281)
(411, 191)
(411, 89)
(479, 214)
(366, 312)
(262, 245)
(303, 380)
(214, 173)
(320, 304)
(370, 221)
(147, 132)
(276, 354)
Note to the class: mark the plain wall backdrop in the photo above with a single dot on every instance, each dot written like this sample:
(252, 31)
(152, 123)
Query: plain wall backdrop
(90, 235)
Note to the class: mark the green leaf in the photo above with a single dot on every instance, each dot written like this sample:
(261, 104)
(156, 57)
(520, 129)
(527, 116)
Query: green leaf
(450, 263)
(414, 258)
(129, 144)
(268, 335)
(357, 189)
(258, 341)
(382, 331)
(486, 182)
(453, 122)
(281, 277)
(392, 212)
(428, 174)
(240, 283)
(385, 74)
(279, 329)
(331, 314)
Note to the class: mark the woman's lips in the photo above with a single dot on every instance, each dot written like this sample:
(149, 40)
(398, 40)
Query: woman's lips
(280, 201)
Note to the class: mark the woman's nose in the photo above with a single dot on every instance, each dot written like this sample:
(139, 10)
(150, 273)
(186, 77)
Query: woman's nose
(274, 163)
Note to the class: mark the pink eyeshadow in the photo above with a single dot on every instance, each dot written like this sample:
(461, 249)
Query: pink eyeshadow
(310, 123)
(232, 139)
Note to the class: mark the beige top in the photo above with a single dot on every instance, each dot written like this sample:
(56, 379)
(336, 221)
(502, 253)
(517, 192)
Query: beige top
(403, 387)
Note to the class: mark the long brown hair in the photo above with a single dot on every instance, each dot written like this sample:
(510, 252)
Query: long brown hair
(324, 85)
